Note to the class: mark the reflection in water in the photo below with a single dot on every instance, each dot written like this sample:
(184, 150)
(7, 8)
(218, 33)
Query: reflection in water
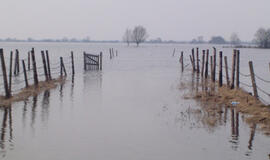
(7, 116)
(45, 106)
(33, 115)
(72, 88)
(211, 115)
(251, 139)
(252, 135)
(61, 92)
(24, 114)
(234, 128)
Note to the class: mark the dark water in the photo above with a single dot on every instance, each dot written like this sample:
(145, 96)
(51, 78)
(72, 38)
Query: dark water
(133, 109)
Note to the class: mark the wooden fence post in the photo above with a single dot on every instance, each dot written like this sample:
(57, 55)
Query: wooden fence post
(110, 53)
(206, 64)
(72, 63)
(182, 61)
(198, 64)
(62, 67)
(211, 65)
(15, 64)
(25, 74)
(173, 52)
(203, 59)
(44, 65)
(3, 64)
(48, 65)
(233, 69)
(214, 65)
(227, 72)
(34, 66)
(18, 61)
(100, 60)
(237, 68)
(253, 80)
(84, 60)
(29, 60)
(220, 69)
(193, 60)
(10, 71)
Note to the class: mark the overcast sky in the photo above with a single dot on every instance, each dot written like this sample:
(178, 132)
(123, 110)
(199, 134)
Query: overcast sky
(108, 19)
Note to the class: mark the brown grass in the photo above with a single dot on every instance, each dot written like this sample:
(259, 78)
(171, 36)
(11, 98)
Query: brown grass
(222, 96)
(31, 91)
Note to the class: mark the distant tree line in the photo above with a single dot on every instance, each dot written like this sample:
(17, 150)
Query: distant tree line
(137, 35)
(262, 38)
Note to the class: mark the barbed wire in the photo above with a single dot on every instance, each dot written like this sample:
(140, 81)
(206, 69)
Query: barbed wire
(247, 85)
(263, 91)
(266, 81)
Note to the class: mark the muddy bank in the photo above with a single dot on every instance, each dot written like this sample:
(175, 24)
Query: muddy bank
(31, 91)
(215, 99)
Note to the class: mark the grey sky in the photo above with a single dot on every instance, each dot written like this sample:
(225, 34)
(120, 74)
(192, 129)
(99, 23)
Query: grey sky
(108, 19)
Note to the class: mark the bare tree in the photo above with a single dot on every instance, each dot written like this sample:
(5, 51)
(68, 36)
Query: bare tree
(235, 40)
(139, 35)
(262, 38)
(128, 36)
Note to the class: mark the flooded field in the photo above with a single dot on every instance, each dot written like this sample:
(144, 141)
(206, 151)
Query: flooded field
(133, 109)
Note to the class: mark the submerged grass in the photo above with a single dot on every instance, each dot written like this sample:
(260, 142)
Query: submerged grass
(32, 90)
(216, 98)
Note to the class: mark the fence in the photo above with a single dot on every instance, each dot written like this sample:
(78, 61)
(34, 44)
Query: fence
(233, 81)
(49, 69)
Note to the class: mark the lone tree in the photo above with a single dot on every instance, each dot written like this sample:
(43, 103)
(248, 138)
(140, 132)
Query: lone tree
(139, 35)
(235, 40)
(262, 38)
(128, 36)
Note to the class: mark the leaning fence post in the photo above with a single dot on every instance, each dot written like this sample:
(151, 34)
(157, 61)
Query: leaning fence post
(4, 73)
(253, 79)
(25, 74)
(44, 65)
(100, 59)
(10, 71)
(237, 68)
(226, 69)
(34, 66)
(48, 65)
(233, 69)
(203, 59)
(220, 69)
(72, 63)
(62, 67)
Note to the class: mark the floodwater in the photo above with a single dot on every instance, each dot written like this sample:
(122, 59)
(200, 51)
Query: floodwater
(132, 109)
